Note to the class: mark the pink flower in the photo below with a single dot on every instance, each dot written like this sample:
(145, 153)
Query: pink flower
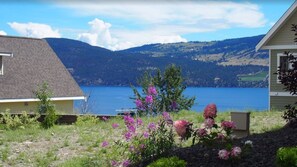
(151, 90)
(210, 111)
(167, 118)
(201, 132)
(115, 125)
(181, 127)
(224, 154)
(104, 144)
(228, 125)
(139, 104)
(236, 151)
(139, 121)
(149, 99)
(152, 126)
(209, 122)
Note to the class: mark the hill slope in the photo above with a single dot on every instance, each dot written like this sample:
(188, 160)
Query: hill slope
(213, 64)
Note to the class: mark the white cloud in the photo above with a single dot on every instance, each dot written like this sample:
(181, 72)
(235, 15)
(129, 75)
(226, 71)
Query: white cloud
(36, 30)
(99, 34)
(188, 13)
(2, 33)
(163, 22)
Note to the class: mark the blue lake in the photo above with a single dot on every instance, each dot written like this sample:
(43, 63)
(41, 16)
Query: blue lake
(105, 100)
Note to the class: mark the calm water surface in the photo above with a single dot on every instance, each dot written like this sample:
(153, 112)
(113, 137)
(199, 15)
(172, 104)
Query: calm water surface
(105, 100)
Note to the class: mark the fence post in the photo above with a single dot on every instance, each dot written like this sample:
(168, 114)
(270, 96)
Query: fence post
(242, 122)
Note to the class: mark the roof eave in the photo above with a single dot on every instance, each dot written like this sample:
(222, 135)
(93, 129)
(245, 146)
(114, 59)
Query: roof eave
(35, 99)
(276, 26)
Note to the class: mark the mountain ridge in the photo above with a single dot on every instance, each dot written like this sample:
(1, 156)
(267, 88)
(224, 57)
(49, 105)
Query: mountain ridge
(225, 62)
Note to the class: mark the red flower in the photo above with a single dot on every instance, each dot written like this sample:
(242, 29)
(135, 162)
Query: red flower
(181, 127)
(210, 111)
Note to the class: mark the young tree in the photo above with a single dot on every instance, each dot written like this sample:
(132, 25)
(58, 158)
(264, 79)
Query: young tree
(169, 90)
(45, 106)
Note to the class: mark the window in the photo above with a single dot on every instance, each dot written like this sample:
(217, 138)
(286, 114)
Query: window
(2, 61)
(283, 63)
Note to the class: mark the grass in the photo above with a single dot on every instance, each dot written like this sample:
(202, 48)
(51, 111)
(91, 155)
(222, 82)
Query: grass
(253, 77)
(75, 145)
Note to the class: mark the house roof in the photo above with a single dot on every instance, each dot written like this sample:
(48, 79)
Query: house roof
(32, 64)
(277, 26)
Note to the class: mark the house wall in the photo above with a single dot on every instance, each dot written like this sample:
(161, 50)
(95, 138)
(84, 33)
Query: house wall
(278, 101)
(31, 107)
(284, 36)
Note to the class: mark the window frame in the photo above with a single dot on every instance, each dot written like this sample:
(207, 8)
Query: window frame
(278, 63)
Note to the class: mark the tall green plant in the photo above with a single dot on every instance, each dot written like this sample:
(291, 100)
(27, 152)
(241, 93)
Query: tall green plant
(46, 106)
(170, 87)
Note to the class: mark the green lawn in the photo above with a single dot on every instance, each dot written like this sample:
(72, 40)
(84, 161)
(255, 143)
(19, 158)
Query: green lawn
(74, 145)
(253, 77)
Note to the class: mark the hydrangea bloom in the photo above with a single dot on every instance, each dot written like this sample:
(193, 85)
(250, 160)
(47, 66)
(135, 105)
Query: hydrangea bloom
(209, 122)
(224, 154)
(201, 132)
(228, 125)
(181, 127)
(210, 111)
(152, 90)
(115, 125)
(236, 151)
(221, 136)
(149, 99)
(104, 144)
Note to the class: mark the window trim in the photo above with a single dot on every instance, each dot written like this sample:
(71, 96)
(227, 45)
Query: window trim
(278, 63)
(4, 54)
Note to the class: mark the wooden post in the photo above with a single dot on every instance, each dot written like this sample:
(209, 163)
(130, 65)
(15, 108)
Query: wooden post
(242, 122)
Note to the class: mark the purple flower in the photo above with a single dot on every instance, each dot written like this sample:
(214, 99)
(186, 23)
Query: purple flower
(174, 105)
(146, 135)
(114, 163)
(104, 118)
(132, 148)
(129, 120)
(131, 129)
(139, 121)
(128, 135)
(139, 104)
(126, 163)
(104, 144)
(152, 126)
(151, 90)
(149, 99)
(115, 125)
(209, 122)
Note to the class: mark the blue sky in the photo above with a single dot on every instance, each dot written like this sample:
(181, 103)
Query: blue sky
(122, 24)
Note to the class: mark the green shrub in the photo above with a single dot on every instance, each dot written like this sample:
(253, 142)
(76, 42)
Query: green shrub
(12, 122)
(45, 106)
(287, 157)
(86, 120)
(165, 162)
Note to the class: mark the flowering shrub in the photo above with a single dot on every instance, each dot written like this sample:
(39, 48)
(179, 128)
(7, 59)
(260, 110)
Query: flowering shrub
(141, 142)
(183, 128)
(147, 105)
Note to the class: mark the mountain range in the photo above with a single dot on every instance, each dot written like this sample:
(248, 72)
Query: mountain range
(210, 64)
